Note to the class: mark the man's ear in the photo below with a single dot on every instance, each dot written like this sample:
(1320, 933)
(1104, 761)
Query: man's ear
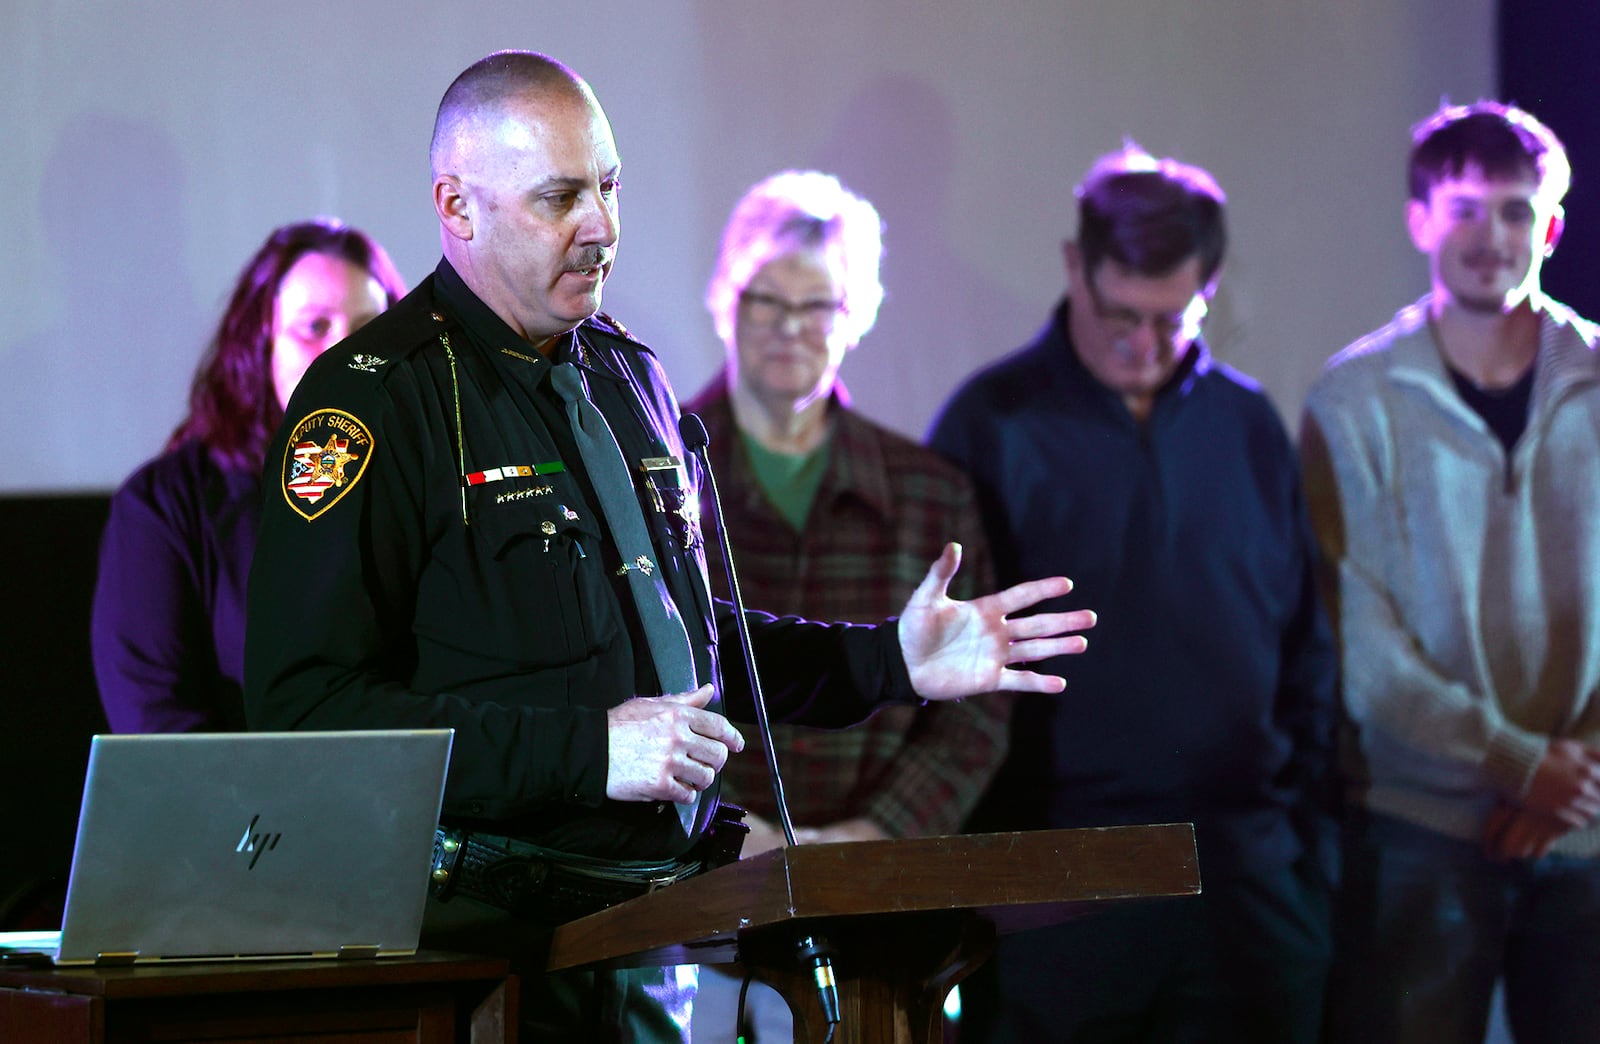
(1552, 233)
(450, 202)
(1073, 256)
(1417, 225)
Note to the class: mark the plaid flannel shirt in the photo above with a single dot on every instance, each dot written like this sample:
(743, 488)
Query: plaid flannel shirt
(883, 512)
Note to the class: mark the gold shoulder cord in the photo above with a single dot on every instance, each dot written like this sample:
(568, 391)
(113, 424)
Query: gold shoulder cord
(461, 451)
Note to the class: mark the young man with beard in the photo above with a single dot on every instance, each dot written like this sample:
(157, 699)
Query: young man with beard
(1453, 469)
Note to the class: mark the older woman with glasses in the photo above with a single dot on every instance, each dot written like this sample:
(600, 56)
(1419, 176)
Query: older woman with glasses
(831, 517)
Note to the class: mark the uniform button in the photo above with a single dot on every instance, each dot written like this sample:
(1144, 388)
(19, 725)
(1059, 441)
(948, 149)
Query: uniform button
(438, 318)
(475, 807)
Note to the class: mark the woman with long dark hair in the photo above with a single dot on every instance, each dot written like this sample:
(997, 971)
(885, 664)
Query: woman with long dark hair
(168, 628)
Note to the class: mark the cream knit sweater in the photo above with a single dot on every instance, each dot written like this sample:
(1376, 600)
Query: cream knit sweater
(1466, 582)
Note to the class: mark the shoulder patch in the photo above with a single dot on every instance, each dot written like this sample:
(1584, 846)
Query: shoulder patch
(326, 455)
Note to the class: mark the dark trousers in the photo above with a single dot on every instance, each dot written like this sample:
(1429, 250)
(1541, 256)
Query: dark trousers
(1245, 963)
(623, 1006)
(1428, 924)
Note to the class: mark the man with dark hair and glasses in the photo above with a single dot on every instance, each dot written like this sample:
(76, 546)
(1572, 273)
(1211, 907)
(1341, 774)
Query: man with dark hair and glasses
(1453, 471)
(1117, 447)
(831, 517)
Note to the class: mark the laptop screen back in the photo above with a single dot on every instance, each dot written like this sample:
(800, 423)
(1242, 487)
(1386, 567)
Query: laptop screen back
(254, 845)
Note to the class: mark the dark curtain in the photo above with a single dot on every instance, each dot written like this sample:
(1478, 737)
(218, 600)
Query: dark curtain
(1550, 65)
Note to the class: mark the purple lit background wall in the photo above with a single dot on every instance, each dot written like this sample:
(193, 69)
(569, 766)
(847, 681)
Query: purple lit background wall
(150, 146)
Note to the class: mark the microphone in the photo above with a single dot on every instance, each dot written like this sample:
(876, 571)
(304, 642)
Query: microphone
(813, 952)
(695, 440)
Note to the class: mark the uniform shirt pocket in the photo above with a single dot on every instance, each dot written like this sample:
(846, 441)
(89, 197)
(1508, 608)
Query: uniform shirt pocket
(531, 591)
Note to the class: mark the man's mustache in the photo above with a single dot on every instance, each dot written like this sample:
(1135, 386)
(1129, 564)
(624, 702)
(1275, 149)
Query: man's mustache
(591, 257)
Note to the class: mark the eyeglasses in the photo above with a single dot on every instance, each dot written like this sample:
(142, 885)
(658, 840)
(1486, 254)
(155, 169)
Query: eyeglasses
(767, 310)
(1121, 321)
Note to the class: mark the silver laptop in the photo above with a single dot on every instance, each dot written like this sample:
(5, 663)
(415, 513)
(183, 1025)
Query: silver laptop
(226, 846)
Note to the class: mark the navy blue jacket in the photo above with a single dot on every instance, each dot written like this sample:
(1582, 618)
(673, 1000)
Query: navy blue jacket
(1207, 692)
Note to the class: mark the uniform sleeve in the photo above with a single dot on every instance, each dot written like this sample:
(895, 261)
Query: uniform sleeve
(332, 594)
(150, 636)
(1389, 684)
(826, 675)
(954, 748)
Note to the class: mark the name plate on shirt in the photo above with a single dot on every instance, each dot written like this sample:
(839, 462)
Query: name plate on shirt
(669, 489)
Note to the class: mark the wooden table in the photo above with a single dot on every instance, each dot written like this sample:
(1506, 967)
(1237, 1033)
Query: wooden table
(430, 997)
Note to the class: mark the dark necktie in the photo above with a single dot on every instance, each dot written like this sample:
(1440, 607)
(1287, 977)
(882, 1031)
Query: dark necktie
(619, 505)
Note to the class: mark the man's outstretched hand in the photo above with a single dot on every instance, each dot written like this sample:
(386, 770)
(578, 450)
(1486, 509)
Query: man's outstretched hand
(955, 649)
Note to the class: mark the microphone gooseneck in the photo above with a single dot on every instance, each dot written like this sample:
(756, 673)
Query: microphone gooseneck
(813, 951)
(693, 432)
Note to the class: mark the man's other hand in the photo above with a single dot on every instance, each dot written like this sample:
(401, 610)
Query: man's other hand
(859, 829)
(1566, 785)
(764, 836)
(1516, 833)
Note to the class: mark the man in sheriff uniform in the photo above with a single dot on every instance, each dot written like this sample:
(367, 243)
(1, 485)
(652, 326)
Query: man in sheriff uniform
(441, 550)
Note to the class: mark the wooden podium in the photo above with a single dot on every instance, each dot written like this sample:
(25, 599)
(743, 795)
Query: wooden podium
(906, 919)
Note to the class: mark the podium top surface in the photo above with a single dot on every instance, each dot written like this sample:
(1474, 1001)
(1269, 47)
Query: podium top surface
(1015, 880)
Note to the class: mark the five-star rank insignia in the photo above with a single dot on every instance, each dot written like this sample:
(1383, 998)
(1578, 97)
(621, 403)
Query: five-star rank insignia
(326, 456)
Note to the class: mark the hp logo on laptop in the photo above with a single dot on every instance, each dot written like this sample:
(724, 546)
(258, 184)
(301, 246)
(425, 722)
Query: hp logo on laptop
(256, 843)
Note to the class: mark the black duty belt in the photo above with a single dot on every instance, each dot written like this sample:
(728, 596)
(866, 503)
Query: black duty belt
(553, 887)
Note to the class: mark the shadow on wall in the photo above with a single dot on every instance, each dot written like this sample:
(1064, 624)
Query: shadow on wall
(49, 706)
(112, 207)
(894, 143)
